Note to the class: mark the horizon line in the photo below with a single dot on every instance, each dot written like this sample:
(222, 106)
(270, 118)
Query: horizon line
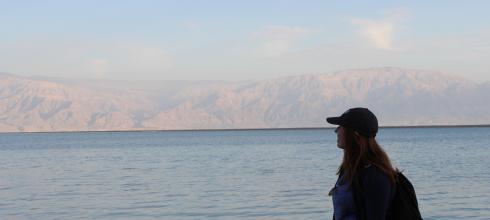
(245, 129)
(340, 70)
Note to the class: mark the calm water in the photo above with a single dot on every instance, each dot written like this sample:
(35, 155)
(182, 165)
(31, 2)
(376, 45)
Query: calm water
(264, 174)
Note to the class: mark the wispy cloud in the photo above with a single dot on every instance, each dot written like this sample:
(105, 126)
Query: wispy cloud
(148, 56)
(86, 59)
(98, 67)
(191, 25)
(128, 59)
(380, 33)
(277, 40)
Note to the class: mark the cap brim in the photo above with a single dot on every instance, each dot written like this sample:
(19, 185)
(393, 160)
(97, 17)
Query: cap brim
(334, 120)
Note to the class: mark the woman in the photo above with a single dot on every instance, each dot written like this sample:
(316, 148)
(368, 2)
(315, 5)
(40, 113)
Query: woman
(366, 183)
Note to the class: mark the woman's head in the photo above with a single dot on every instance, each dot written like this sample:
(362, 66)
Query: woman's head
(361, 120)
(356, 136)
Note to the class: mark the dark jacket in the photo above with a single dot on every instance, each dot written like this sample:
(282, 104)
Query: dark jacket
(373, 194)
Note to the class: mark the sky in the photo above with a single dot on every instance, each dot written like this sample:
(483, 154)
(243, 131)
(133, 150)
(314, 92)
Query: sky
(240, 40)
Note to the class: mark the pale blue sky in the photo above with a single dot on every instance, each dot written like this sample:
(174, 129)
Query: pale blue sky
(237, 40)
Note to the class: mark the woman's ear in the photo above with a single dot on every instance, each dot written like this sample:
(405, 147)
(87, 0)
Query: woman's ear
(357, 137)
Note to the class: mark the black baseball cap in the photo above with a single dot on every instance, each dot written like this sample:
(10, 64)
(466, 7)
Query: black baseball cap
(361, 120)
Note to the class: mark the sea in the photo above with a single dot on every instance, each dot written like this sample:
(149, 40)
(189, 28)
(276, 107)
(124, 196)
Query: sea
(228, 174)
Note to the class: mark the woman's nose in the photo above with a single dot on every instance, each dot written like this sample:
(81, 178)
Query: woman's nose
(336, 129)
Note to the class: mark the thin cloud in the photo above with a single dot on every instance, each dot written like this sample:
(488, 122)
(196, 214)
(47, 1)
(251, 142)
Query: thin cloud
(128, 59)
(88, 59)
(98, 67)
(191, 25)
(278, 40)
(149, 57)
(380, 33)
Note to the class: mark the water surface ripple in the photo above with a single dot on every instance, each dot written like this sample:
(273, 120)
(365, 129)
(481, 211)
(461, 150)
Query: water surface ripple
(254, 174)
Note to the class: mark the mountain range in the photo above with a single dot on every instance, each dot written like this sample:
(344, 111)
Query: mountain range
(398, 96)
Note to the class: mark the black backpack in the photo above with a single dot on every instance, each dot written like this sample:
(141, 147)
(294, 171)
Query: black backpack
(405, 205)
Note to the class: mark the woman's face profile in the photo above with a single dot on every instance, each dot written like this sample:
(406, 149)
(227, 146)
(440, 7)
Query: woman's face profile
(340, 137)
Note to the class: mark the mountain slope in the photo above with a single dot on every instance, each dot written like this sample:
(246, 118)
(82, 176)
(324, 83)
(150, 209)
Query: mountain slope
(398, 96)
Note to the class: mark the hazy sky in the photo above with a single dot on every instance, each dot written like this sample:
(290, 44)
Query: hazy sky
(235, 40)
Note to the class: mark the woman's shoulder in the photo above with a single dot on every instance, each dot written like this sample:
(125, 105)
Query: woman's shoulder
(371, 174)
(371, 169)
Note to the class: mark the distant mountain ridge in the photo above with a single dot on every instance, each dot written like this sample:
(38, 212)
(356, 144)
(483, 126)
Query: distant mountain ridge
(400, 97)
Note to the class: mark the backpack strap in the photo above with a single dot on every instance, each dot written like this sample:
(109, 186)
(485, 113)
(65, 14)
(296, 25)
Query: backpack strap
(359, 198)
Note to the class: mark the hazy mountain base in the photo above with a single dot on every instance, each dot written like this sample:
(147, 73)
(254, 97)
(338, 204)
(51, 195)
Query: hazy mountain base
(400, 97)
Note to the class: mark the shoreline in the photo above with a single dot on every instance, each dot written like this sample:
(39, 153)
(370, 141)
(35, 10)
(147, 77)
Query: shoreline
(247, 129)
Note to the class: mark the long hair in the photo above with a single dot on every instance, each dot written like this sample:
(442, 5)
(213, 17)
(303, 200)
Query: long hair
(360, 151)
